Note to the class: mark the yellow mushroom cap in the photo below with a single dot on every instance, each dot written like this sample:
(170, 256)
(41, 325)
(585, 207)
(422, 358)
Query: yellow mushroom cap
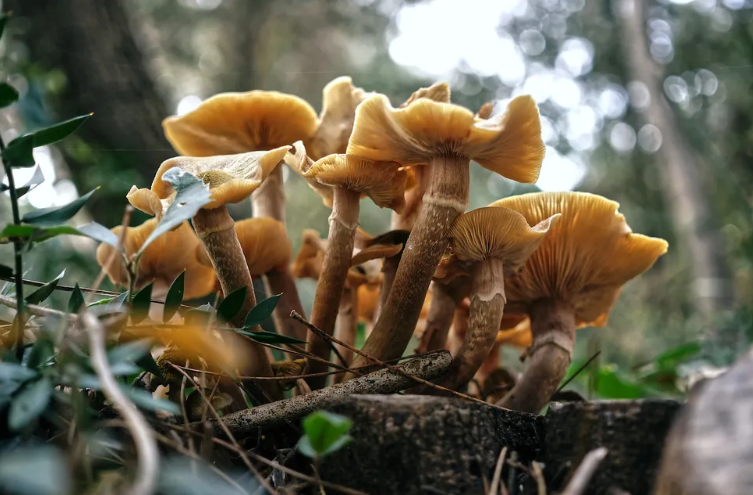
(298, 160)
(231, 123)
(499, 233)
(265, 245)
(586, 257)
(509, 144)
(163, 260)
(485, 111)
(339, 101)
(231, 178)
(437, 92)
(308, 262)
(383, 181)
(147, 201)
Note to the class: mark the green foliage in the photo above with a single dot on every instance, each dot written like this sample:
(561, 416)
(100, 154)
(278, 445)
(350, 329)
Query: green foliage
(35, 180)
(232, 304)
(29, 403)
(47, 217)
(174, 297)
(261, 311)
(19, 152)
(324, 433)
(45, 291)
(58, 132)
(270, 337)
(140, 304)
(38, 470)
(8, 95)
(33, 234)
(76, 300)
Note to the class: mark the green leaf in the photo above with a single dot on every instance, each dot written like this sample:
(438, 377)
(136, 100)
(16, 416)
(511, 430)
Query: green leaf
(3, 20)
(174, 298)
(6, 271)
(191, 195)
(145, 400)
(325, 432)
(45, 291)
(54, 215)
(147, 363)
(270, 337)
(116, 303)
(232, 304)
(59, 131)
(20, 152)
(8, 95)
(611, 385)
(140, 304)
(76, 300)
(36, 234)
(128, 353)
(36, 179)
(29, 403)
(41, 352)
(12, 376)
(39, 470)
(261, 311)
(101, 302)
(198, 316)
(676, 356)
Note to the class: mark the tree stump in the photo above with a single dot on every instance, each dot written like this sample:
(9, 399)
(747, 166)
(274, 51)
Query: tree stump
(409, 444)
(710, 448)
(633, 432)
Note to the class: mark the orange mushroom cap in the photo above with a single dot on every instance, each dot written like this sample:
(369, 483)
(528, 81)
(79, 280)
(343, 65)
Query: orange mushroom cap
(585, 259)
(163, 260)
(509, 144)
(231, 123)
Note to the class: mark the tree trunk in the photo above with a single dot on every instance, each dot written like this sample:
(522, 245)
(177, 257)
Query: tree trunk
(682, 174)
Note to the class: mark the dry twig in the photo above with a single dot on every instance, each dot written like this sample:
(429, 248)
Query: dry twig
(494, 488)
(585, 471)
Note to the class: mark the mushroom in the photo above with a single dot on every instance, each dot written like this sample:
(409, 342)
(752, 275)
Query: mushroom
(390, 245)
(231, 178)
(491, 244)
(339, 101)
(163, 260)
(418, 176)
(446, 137)
(268, 252)
(230, 123)
(349, 176)
(573, 279)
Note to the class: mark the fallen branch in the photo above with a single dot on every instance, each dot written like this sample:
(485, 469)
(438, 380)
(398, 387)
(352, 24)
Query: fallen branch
(584, 472)
(244, 423)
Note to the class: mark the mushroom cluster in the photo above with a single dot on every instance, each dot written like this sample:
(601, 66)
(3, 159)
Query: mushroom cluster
(524, 271)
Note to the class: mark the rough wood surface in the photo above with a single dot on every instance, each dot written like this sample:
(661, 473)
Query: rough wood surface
(419, 444)
(710, 448)
(632, 431)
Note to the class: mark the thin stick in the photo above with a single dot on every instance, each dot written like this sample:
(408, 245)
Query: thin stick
(146, 447)
(538, 475)
(380, 382)
(494, 488)
(585, 471)
(395, 369)
(36, 310)
(219, 420)
(577, 372)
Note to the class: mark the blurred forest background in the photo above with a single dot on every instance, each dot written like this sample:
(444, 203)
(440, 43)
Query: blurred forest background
(647, 102)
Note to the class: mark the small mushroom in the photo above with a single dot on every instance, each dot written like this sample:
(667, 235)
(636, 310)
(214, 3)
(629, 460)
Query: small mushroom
(163, 260)
(573, 279)
(231, 123)
(445, 137)
(339, 101)
(231, 178)
(491, 243)
(384, 183)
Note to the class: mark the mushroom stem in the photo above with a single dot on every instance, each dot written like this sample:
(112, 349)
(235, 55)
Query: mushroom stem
(280, 281)
(413, 202)
(487, 305)
(439, 320)
(214, 227)
(269, 199)
(342, 231)
(553, 329)
(445, 199)
(346, 325)
(389, 268)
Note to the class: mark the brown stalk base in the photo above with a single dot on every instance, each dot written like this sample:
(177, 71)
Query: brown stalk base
(281, 282)
(444, 300)
(445, 199)
(269, 199)
(215, 229)
(389, 268)
(553, 328)
(329, 290)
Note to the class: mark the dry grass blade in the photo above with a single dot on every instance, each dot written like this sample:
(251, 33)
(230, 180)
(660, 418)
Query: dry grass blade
(395, 369)
(585, 471)
(494, 488)
(146, 447)
(538, 475)
(577, 372)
